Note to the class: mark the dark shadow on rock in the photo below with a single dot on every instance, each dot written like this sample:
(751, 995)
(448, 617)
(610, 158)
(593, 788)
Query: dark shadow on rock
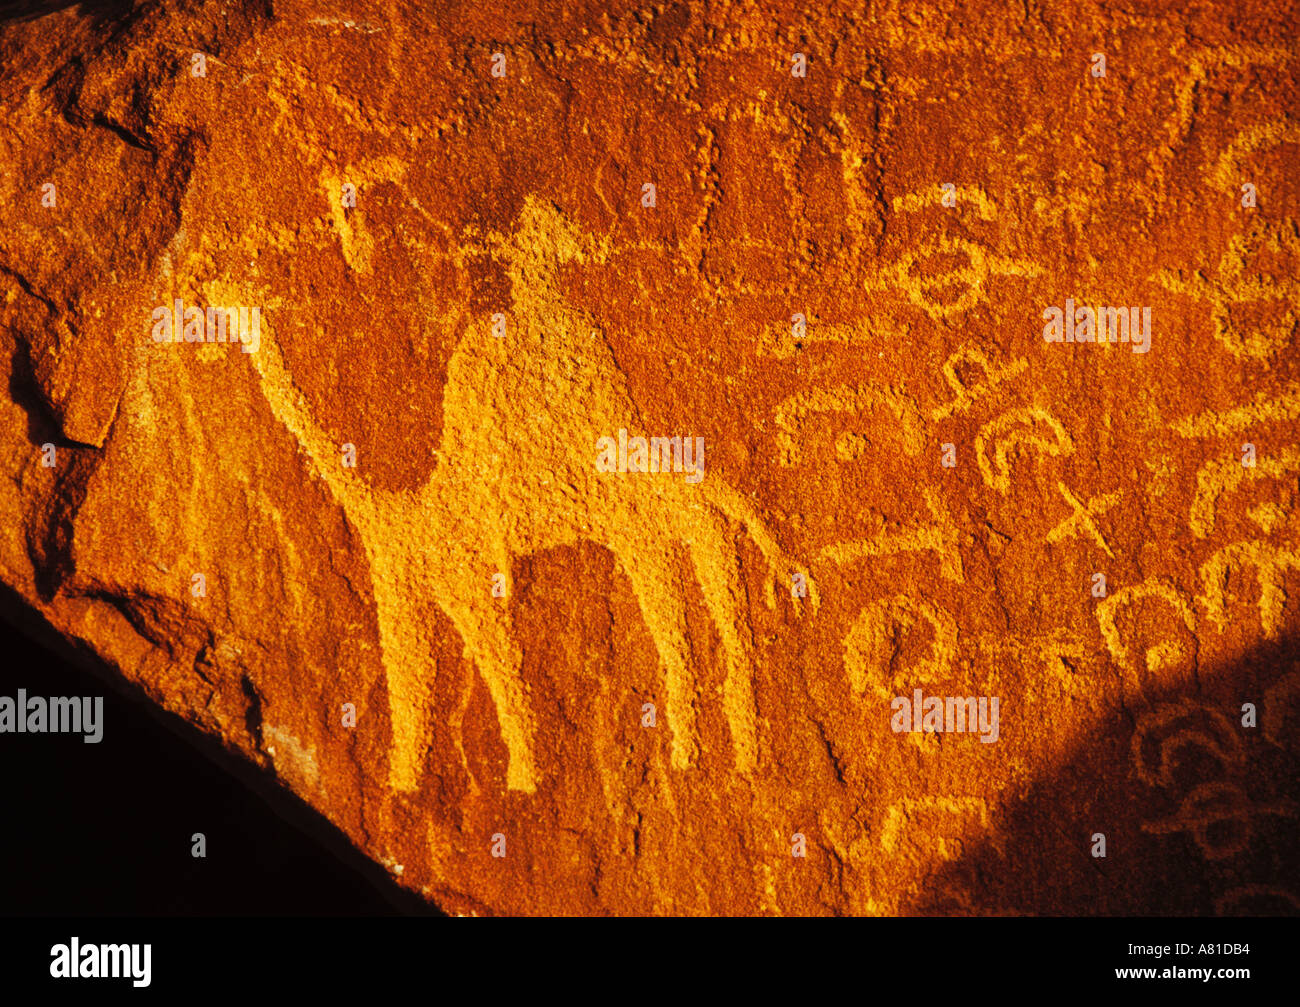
(1200, 814)
(42, 428)
(106, 829)
(99, 11)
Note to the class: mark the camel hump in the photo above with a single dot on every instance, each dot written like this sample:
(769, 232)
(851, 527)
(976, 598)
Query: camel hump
(541, 354)
(544, 238)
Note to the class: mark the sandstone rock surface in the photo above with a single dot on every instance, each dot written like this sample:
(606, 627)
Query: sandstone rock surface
(648, 689)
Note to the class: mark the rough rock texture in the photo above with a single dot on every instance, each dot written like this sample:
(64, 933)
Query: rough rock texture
(500, 612)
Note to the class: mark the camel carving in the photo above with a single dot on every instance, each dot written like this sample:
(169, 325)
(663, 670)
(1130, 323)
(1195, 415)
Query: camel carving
(516, 474)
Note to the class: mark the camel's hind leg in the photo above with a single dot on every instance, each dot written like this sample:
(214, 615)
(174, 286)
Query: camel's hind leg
(484, 626)
(719, 575)
(663, 606)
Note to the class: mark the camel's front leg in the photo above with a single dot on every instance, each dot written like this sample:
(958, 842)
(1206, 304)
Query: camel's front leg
(408, 664)
(484, 625)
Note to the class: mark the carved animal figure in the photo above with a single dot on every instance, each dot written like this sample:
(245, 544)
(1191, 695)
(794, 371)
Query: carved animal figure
(516, 475)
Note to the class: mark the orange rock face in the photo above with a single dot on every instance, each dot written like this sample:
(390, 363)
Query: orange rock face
(682, 459)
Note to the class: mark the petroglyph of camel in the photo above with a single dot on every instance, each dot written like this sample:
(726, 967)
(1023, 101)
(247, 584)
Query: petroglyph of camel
(516, 474)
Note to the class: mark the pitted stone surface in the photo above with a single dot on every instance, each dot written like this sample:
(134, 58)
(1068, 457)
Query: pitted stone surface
(651, 684)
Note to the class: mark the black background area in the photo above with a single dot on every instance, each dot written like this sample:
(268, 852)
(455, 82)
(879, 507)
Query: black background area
(104, 829)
